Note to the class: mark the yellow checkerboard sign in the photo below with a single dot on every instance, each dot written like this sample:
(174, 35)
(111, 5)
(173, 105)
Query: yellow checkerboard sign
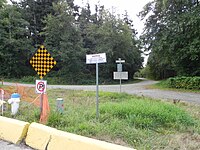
(42, 61)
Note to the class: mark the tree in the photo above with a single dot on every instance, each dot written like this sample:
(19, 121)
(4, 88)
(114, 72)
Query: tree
(34, 12)
(14, 43)
(171, 34)
(65, 41)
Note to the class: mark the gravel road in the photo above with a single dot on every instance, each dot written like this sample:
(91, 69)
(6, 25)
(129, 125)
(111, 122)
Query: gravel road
(140, 89)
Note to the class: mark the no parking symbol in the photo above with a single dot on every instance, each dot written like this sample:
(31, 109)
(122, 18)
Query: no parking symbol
(41, 86)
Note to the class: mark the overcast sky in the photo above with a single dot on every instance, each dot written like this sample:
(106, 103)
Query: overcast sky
(133, 8)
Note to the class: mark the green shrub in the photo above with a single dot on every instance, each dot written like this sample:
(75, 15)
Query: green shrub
(28, 79)
(184, 83)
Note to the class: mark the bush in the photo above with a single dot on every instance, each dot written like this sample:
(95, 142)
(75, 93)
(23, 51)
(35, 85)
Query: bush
(28, 79)
(184, 83)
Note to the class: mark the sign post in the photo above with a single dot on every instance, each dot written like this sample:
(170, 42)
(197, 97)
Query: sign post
(96, 59)
(119, 69)
(42, 62)
(97, 90)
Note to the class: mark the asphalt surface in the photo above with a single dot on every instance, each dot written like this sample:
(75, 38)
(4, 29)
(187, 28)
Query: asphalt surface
(9, 146)
(140, 89)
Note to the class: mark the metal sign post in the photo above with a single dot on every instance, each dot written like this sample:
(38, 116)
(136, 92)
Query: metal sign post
(119, 69)
(96, 59)
(97, 90)
(42, 63)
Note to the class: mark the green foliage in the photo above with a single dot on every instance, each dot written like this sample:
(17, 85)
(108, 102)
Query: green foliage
(184, 83)
(69, 32)
(28, 79)
(172, 35)
(26, 112)
(14, 43)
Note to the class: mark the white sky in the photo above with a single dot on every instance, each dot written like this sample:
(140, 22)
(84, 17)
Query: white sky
(133, 8)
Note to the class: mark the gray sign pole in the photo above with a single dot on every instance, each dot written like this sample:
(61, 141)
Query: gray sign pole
(97, 91)
(119, 69)
(95, 59)
(120, 82)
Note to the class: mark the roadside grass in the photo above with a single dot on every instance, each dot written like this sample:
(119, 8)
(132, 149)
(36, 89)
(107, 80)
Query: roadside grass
(128, 120)
(162, 85)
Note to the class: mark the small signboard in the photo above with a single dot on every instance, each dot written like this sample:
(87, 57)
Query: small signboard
(120, 61)
(96, 58)
(120, 75)
(41, 86)
(119, 67)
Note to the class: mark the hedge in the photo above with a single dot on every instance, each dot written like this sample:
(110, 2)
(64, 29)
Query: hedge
(184, 82)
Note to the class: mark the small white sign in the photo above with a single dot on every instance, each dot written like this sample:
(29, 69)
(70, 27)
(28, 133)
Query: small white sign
(96, 58)
(41, 86)
(120, 61)
(120, 75)
(119, 67)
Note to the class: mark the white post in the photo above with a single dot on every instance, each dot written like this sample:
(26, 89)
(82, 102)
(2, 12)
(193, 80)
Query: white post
(2, 100)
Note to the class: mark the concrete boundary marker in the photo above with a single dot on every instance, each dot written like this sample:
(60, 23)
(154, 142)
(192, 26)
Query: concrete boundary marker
(13, 130)
(63, 140)
(46, 138)
(38, 136)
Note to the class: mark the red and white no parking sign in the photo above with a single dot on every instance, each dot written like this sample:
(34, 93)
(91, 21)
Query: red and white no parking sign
(41, 86)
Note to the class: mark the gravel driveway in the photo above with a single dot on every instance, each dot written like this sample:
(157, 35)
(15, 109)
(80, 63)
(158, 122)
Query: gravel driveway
(140, 89)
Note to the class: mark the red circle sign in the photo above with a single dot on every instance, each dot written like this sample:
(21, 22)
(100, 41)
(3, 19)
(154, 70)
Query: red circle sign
(41, 86)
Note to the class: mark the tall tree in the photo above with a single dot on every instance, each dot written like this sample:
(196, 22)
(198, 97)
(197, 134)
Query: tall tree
(14, 43)
(64, 41)
(171, 34)
(34, 12)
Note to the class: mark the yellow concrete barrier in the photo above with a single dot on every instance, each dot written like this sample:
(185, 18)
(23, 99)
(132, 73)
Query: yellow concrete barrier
(42, 137)
(38, 136)
(67, 141)
(13, 130)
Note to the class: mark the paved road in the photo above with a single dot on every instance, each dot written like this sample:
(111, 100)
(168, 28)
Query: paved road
(8, 146)
(140, 89)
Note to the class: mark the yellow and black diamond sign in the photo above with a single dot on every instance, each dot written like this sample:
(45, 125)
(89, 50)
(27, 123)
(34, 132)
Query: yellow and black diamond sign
(42, 61)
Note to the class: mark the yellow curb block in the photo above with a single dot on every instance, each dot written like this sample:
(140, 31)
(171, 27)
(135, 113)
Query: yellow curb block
(42, 137)
(38, 136)
(61, 140)
(13, 130)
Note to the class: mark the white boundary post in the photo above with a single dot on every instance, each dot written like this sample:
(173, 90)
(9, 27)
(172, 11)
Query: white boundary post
(2, 100)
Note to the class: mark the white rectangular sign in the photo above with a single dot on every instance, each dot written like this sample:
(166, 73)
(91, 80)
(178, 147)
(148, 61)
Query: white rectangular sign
(119, 67)
(41, 86)
(120, 75)
(96, 58)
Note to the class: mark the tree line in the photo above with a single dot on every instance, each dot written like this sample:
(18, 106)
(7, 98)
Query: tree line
(69, 32)
(172, 36)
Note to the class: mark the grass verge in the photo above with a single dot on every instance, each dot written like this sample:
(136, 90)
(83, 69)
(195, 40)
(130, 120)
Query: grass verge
(127, 120)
